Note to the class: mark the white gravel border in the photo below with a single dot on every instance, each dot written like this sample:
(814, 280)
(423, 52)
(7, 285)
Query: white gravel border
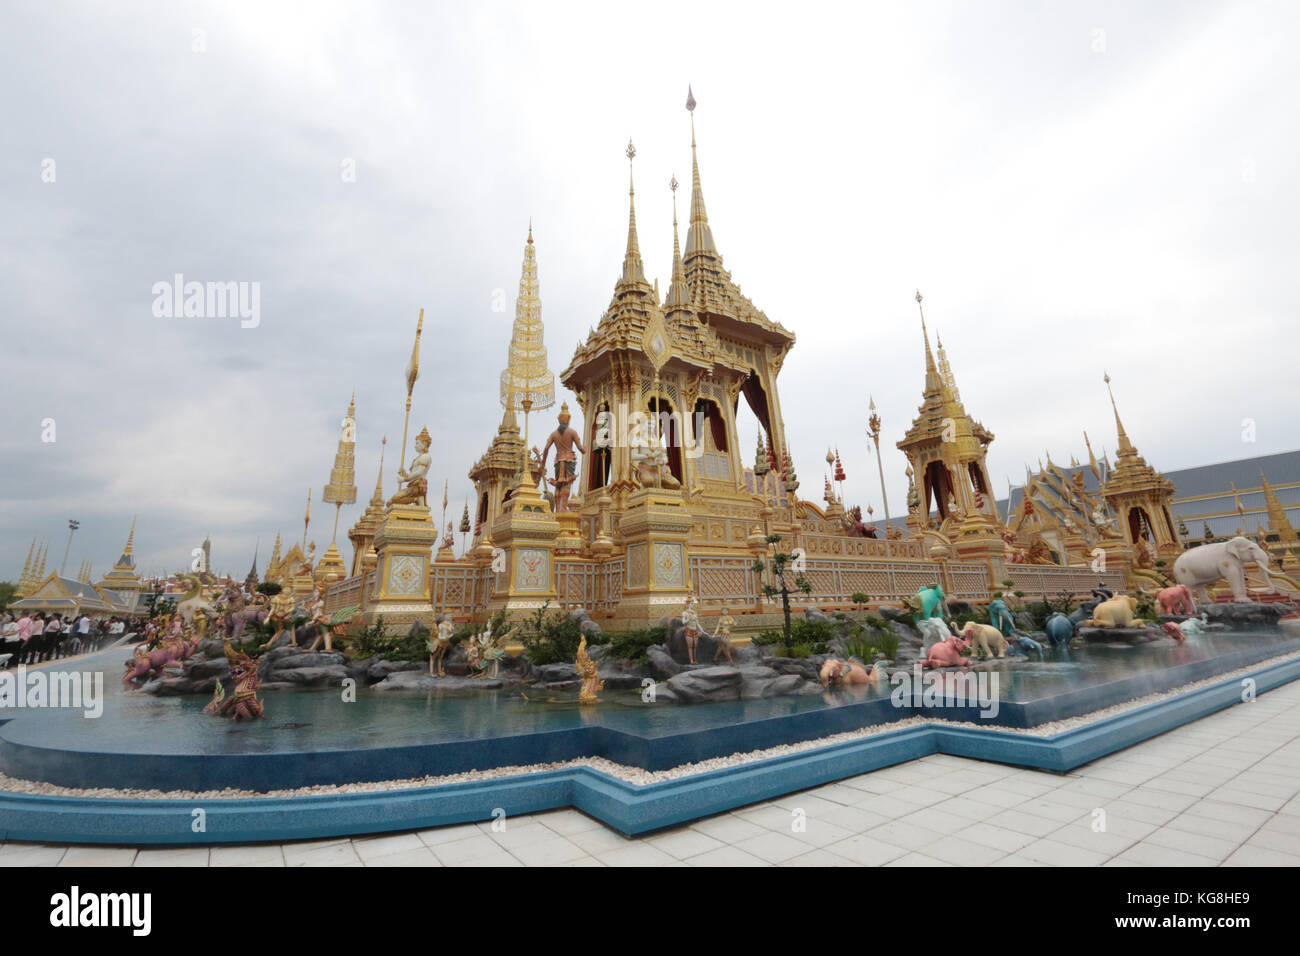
(633, 775)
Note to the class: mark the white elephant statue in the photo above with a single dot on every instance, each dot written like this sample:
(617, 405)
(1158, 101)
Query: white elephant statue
(933, 631)
(1204, 565)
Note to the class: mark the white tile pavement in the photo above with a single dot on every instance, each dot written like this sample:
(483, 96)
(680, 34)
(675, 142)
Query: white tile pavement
(1223, 791)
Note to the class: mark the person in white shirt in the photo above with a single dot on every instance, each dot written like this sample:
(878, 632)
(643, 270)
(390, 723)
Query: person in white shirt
(53, 638)
(36, 642)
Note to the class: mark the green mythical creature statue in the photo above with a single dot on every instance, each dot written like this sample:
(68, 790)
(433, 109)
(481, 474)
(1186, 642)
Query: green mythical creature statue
(928, 602)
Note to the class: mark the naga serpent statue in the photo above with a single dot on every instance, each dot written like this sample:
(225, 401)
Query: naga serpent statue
(590, 674)
(244, 705)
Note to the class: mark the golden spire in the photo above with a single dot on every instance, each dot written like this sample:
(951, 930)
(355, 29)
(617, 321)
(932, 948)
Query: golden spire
(526, 377)
(25, 579)
(678, 297)
(633, 269)
(932, 379)
(306, 521)
(1092, 460)
(1125, 446)
(342, 487)
(945, 370)
(1278, 523)
(377, 499)
(45, 550)
(699, 238)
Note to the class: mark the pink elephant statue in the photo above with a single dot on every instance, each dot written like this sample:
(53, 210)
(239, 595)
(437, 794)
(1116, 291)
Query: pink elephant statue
(948, 653)
(1176, 600)
(1174, 631)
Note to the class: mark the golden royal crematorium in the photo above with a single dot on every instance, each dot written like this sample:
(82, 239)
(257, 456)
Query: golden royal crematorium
(650, 498)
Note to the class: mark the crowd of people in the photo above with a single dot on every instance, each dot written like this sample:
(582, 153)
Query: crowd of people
(35, 637)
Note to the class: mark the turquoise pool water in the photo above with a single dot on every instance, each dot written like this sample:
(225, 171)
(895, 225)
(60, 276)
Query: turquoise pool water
(321, 720)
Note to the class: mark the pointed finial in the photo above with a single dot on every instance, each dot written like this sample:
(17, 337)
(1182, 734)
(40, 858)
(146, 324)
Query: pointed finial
(633, 270)
(699, 238)
(530, 229)
(1124, 444)
(932, 381)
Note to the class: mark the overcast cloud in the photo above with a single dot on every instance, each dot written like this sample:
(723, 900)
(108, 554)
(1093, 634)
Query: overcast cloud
(1074, 188)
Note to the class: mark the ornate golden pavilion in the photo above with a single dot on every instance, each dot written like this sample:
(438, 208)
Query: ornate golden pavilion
(664, 504)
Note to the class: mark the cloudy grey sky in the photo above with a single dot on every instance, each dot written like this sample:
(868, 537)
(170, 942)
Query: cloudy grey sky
(1075, 189)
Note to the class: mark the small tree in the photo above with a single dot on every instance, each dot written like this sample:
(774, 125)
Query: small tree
(779, 566)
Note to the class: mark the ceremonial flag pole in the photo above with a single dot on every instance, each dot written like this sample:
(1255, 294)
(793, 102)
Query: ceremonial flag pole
(412, 373)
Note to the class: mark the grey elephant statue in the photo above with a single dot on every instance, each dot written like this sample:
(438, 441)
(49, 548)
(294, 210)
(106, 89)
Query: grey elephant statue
(1202, 566)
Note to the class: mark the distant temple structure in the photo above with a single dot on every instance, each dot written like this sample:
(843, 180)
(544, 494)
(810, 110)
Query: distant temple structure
(118, 593)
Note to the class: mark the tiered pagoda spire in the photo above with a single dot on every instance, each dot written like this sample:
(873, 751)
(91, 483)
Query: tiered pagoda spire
(363, 532)
(341, 490)
(25, 579)
(699, 238)
(124, 576)
(679, 296)
(1278, 522)
(633, 268)
(1138, 494)
(945, 446)
(527, 383)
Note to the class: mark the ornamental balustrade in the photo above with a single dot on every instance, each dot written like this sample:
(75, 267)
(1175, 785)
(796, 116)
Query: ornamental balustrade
(1048, 581)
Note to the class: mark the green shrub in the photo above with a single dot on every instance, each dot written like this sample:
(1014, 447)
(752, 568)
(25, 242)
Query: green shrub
(862, 649)
(1146, 607)
(859, 598)
(553, 638)
(378, 640)
(632, 645)
(1040, 611)
(800, 651)
(979, 615)
(815, 634)
(887, 641)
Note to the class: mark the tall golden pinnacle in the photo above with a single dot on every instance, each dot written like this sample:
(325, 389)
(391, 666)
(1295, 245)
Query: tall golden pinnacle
(699, 238)
(342, 488)
(526, 382)
(1125, 446)
(678, 296)
(932, 379)
(633, 268)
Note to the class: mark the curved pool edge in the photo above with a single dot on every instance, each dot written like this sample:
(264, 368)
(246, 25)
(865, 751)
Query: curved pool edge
(630, 809)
